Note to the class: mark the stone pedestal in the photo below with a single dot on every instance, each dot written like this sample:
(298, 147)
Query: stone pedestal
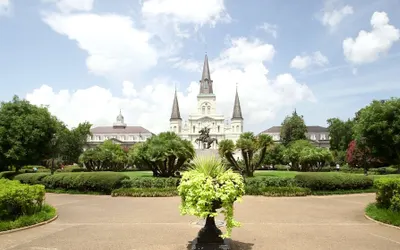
(209, 236)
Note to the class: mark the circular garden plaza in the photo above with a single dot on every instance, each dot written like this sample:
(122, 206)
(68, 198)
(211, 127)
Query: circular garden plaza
(162, 193)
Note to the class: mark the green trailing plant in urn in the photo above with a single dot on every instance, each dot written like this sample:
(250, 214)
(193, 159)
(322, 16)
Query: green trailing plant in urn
(208, 186)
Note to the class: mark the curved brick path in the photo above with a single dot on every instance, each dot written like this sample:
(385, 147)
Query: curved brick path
(101, 222)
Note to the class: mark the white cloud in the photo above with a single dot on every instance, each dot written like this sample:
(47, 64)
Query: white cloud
(114, 46)
(187, 11)
(369, 46)
(270, 29)
(5, 7)
(150, 106)
(243, 51)
(334, 17)
(306, 61)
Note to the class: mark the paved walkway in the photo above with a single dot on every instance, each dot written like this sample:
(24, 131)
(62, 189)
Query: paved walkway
(102, 222)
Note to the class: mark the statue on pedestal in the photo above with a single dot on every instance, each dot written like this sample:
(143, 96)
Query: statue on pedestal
(205, 138)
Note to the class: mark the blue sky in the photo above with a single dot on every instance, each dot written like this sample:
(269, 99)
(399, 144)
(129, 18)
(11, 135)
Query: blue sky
(87, 59)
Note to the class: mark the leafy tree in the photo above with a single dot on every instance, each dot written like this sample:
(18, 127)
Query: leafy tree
(293, 151)
(293, 129)
(340, 132)
(377, 128)
(253, 149)
(360, 157)
(303, 153)
(73, 141)
(274, 155)
(26, 132)
(164, 153)
(106, 156)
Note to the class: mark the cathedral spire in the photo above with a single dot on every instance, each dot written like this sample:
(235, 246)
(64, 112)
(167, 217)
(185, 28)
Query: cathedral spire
(237, 110)
(175, 114)
(206, 86)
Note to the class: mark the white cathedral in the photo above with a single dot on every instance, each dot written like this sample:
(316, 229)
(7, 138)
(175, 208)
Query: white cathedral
(206, 115)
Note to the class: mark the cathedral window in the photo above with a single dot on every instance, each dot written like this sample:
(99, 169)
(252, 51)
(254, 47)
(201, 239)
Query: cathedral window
(175, 129)
(237, 128)
(194, 129)
(218, 128)
(208, 109)
(203, 110)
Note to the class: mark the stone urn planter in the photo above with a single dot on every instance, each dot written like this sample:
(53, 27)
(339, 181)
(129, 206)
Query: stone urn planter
(205, 190)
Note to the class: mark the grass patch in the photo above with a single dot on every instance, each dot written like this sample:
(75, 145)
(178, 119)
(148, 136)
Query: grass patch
(383, 215)
(70, 191)
(135, 174)
(355, 191)
(48, 212)
(275, 173)
(145, 192)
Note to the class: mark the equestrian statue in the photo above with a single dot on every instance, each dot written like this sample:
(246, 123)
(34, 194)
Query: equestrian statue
(205, 138)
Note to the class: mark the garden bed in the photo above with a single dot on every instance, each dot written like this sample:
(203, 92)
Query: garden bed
(383, 215)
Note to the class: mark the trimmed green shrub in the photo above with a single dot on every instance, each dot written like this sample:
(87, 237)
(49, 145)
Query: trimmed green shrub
(103, 182)
(278, 191)
(71, 168)
(261, 182)
(149, 182)
(18, 199)
(333, 181)
(145, 192)
(8, 174)
(388, 193)
(31, 178)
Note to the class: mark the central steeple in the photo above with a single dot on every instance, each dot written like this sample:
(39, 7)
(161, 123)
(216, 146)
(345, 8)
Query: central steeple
(206, 86)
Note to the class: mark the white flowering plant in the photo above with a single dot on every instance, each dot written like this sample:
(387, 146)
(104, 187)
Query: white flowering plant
(207, 183)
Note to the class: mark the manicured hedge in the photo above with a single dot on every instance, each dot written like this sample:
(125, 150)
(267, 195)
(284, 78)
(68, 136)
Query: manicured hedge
(8, 174)
(261, 182)
(102, 182)
(31, 178)
(150, 182)
(388, 193)
(277, 191)
(145, 192)
(18, 199)
(333, 181)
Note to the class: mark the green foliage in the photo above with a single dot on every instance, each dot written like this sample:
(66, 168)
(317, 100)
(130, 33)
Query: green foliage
(164, 154)
(199, 191)
(278, 191)
(341, 133)
(253, 149)
(383, 215)
(145, 192)
(8, 174)
(274, 155)
(148, 182)
(377, 127)
(72, 168)
(261, 182)
(26, 133)
(102, 182)
(388, 193)
(293, 129)
(333, 181)
(107, 156)
(46, 213)
(303, 153)
(18, 199)
(31, 178)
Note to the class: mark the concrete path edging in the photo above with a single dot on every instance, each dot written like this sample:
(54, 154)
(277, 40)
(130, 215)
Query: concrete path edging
(31, 226)
(381, 223)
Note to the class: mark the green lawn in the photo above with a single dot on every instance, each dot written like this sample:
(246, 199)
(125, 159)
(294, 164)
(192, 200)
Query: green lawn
(273, 173)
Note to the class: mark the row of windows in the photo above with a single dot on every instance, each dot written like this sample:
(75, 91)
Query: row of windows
(236, 128)
(120, 137)
(311, 137)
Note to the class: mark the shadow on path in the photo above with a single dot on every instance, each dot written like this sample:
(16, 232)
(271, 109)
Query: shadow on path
(235, 245)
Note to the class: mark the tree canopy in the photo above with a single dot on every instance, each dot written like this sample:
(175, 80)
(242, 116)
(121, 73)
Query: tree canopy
(377, 127)
(293, 129)
(341, 133)
(164, 153)
(26, 133)
(253, 149)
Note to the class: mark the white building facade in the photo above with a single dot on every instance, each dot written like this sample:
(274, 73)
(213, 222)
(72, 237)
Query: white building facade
(206, 116)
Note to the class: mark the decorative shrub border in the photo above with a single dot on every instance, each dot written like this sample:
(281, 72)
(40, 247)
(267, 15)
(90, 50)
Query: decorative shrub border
(52, 210)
